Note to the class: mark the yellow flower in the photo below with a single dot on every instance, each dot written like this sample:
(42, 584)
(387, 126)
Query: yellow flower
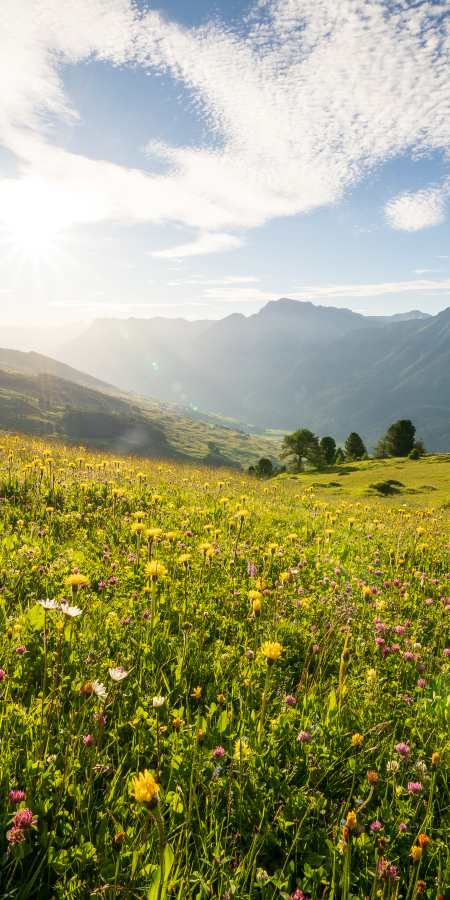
(89, 687)
(145, 789)
(416, 853)
(357, 740)
(272, 547)
(351, 821)
(153, 533)
(204, 548)
(242, 514)
(420, 531)
(59, 625)
(256, 606)
(220, 698)
(197, 693)
(137, 528)
(254, 595)
(177, 722)
(201, 736)
(435, 758)
(75, 580)
(241, 750)
(292, 537)
(155, 570)
(170, 536)
(156, 498)
(351, 521)
(184, 559)
(272, 650)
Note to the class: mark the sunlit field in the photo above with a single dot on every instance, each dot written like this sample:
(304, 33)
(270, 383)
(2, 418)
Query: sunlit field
(213, 686)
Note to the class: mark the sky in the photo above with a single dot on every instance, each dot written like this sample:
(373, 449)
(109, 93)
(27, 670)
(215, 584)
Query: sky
(198, 159)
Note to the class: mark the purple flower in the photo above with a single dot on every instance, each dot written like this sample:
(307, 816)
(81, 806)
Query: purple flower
(421, 683)
(408, 656)
(386, 873)
(88, 741)
(16, 835)
(395, 648)
(379, 642)
(290, 700)
(414, 787)
(189, 534)
(24, 819)
(126, 621)
(381, 627)
(298, 895)
(316, 648)
(402, 828)
(16, 796)
(100, 718)
(146, 614)
(304, 737)
(407, 700)
(113, 580)
(2, 675)
(420, 668)
(403, 750)
(400, 630)
(101, 585)
(396, 582)
(376, 827)
(428, 601)
(113, 565)
(20, 650)
(41, 570)
(219, 753)
(447, 652)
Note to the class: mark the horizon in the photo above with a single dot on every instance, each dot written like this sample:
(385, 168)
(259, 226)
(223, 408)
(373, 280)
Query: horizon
(199, 160)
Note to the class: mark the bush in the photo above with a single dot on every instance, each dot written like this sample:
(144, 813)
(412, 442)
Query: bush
(414, 453)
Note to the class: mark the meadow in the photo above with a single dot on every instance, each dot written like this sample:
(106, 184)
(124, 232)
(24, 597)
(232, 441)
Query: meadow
(213, 686)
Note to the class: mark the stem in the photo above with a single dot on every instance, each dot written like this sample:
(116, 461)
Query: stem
(263, 707)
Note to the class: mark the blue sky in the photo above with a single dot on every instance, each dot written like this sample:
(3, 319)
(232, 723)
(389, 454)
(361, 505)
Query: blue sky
(201, 159)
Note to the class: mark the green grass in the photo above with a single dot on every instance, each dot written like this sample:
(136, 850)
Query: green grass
(258, 772)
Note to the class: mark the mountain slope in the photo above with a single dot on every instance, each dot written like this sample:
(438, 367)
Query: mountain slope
(211, 365)
(366, 381)
(36, 364)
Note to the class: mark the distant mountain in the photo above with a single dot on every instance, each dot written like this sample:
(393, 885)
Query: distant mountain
(18, 337)
(36, 364)
(45, 403)
(367, 380)
(214, 366)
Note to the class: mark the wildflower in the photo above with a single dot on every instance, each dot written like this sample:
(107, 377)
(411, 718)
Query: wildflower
(423, 841)
(403, 750)
(184, 559)
(220, 698)
(386, 873)
(158, 702)
(99, 689)
(197, 693)
(290, 700)
(421, 683)
(177, 723)
(24, 820)
(375, 827)
(402, 828)
(262, 876)
(20, 650)
(416, 853)
(146, 789)
(75, 580)
(216, 773)
(304, 737)
(155, 570)
(118, 674)
(446, 652)
(373, 778)
(250, 654)
(357, 740)
(414, 787)
(2, 675)
(88, 740)
(351, 821)
(219, 753)
(272, 650)
(48, 604)
(72, 611)
(119, 839)
(16, 796)
(435, 758)
(241, 750)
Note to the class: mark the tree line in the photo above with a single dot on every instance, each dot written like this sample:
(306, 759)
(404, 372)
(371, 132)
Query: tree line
(303, 449)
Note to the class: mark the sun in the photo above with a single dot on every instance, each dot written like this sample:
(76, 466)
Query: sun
(34, 218)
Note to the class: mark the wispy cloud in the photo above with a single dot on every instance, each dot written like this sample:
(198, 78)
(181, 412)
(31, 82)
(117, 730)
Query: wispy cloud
(227, 279)
(330, 291)
(206, 243)
(301, 102)
(412, 212)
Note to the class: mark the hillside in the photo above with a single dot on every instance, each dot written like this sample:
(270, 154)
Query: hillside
(215, 366)
(48, 404)
(367, 380)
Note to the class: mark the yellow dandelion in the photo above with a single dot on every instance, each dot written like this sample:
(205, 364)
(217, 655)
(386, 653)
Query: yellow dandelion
(272, 650)
(146, 789)
(357, 740)
(155, 570)
(197, 693)
(184, 559)
(153, 533)
(137, 528)
(351, 821)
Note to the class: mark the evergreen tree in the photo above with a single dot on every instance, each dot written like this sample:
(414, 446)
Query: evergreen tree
(354, 446)
(328, 448)
(339, 456)
(400, 437)
(299, 446)
(264, 468)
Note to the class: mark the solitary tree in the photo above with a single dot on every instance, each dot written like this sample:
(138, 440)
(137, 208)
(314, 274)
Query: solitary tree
(354, 446)
(264, 468)
(299, 446)
(400, 437)
(328, 448)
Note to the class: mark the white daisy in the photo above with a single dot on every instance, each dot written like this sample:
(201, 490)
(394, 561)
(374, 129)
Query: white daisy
(99, 689)
(158, 702)
(71, 611)
(118, 674)
(48, 604)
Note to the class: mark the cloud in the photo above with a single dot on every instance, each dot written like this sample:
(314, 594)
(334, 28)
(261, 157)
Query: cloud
(330, 291)
(423, 271)
(412, 212)
(227, 279)
(299, 103)
(206, 243)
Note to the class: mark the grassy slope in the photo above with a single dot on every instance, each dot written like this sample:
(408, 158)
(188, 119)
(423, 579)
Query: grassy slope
(425, 481)
(47, 404)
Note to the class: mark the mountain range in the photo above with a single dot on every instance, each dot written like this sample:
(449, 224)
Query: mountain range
(292, 364)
